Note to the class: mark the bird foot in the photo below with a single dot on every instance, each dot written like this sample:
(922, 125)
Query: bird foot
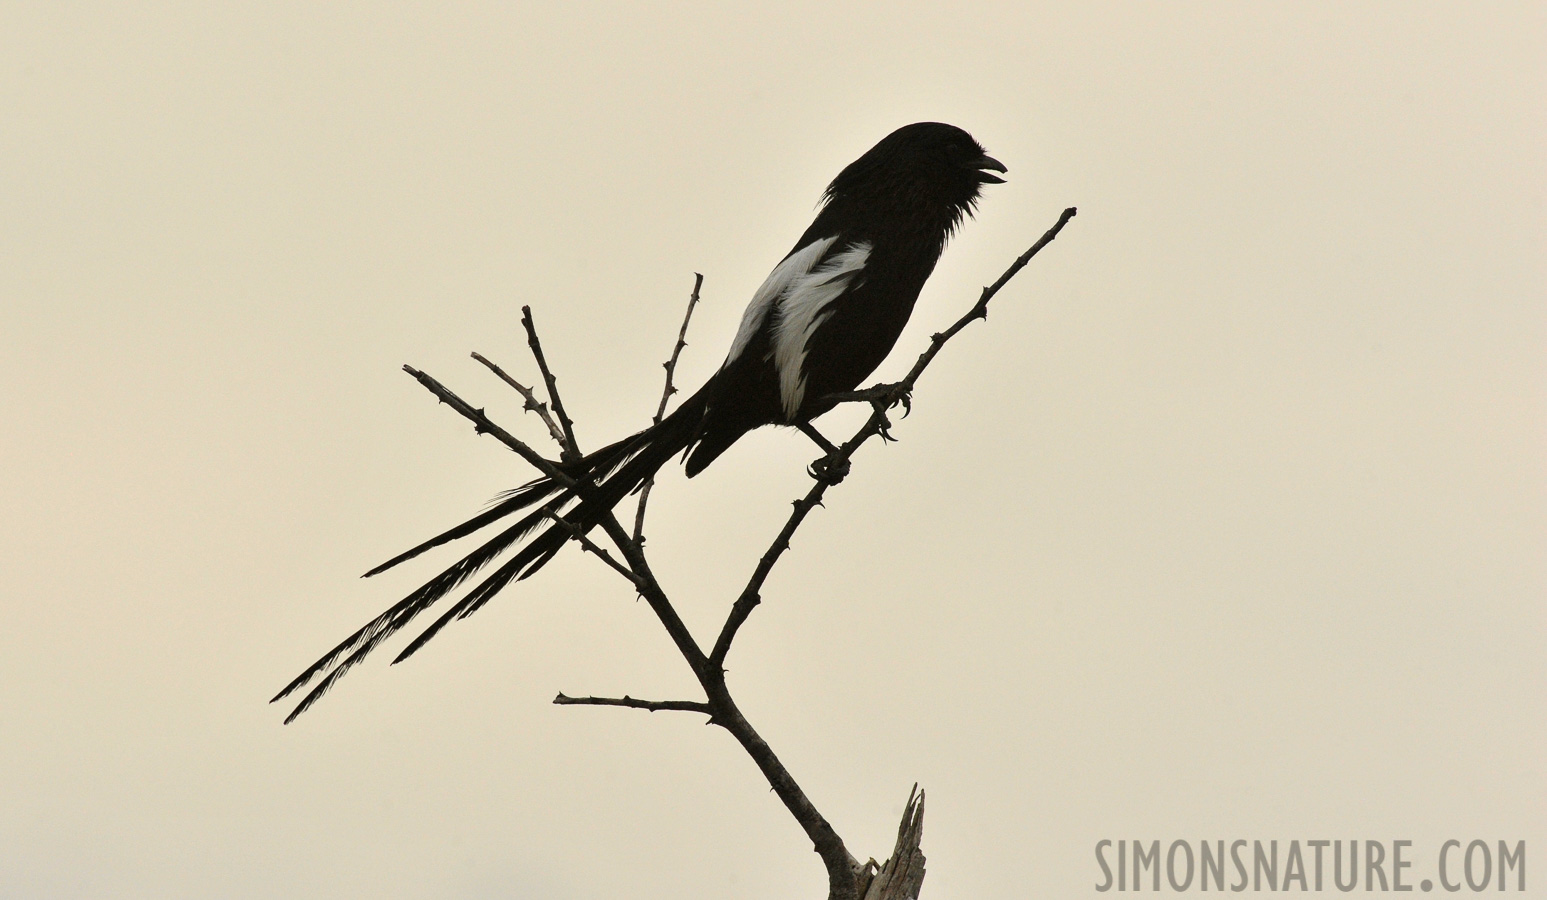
(830, 469)
(898, 394)
(881, 396)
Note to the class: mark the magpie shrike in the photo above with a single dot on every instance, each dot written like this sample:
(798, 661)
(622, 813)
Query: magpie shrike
(826, 316)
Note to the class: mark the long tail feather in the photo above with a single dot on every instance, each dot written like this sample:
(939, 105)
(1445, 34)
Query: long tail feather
(586, 515)
(542, 548)
(615, 471)
(520, 498)
(595, 466)
(401, 613)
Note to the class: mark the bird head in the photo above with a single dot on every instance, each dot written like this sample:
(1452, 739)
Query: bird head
(926, 163)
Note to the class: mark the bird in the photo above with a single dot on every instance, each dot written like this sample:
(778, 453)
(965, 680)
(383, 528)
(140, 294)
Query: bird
(822, 321)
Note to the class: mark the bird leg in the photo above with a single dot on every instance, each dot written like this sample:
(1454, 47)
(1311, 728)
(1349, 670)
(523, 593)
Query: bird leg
(831, 468)
(810, 431)
(881, 397)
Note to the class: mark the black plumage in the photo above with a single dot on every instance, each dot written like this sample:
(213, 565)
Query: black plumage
(824, 319)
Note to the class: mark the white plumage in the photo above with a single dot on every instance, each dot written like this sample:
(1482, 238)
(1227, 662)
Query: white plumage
(774, 286)
(803, 307)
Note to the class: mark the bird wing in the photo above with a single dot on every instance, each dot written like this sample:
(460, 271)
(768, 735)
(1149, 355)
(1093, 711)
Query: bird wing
(799, 263)
(806, 304)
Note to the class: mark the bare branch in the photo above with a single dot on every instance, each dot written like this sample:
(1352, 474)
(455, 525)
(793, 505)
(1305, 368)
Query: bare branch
(571, 446)
(682, 341)
(749, 598)
(650, 589)
(841, 866)
(660, 411)
(631, 703)
(980, 309)
(532, 404)
(484, 425)
(643, 579)
(740, 610)
(638, 567)
(590, 546)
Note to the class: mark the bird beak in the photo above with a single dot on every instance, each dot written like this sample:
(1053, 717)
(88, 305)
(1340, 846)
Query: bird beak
(987, 162)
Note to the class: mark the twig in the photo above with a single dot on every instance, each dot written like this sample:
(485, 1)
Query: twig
(571, 446)
(682, 341)
(980, 309)
(842, 868)
(639, 568)
(647, 585)
(644, 579)
(740, 610)
(875, 425)
(631, 703)
(750, 598)
(484, 425)
(580, 536)
(666, 392)
(532, 404)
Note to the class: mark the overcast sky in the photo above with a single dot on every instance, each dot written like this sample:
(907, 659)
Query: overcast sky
(1228, 523)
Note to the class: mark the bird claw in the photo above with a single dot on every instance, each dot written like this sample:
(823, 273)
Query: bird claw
(888, 396)
(829, 469)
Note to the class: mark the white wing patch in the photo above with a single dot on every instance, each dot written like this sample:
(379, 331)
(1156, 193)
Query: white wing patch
(803, 305)
(794, 267)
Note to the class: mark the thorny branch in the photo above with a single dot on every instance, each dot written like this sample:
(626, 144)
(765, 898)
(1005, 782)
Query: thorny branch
(484, 425)
(649, 588)
(571, 446)
(532, 404)
(682, 341)
(631, 703)
(846, 877)
(666, 392)
(579, 535)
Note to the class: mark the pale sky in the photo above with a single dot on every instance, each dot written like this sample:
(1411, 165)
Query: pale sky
(1228, 523)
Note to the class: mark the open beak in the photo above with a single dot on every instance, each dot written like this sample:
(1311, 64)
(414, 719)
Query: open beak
(987, 162)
